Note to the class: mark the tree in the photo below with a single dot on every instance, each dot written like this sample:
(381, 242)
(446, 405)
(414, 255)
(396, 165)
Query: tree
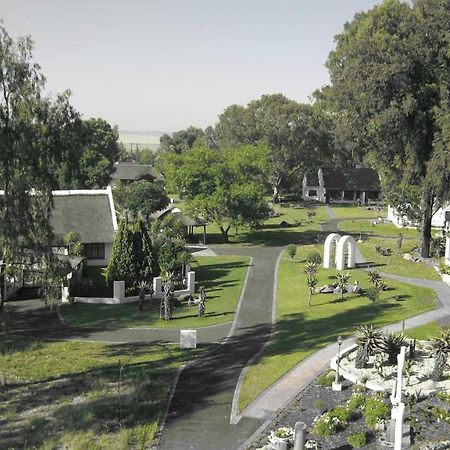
(390, 76)
(341, 282)
(226, 187)
(121, 265)
(143, 253)
(141, 198)
(441, 347)
(298, 135)
(91, 165)
(180, 141)
(311, 279)
(292, 250)
(35, 138)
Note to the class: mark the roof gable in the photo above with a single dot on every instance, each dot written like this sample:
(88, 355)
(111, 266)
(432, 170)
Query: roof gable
(360, 179)
(133, 172)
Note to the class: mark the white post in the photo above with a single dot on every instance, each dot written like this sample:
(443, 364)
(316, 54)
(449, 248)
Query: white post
(400, 409)
(299, 435)
(447, 250)
(157, 287)
(119, 291)
(191, 282)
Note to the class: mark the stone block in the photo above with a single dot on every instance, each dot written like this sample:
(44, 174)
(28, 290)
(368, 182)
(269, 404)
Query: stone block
(188, 338)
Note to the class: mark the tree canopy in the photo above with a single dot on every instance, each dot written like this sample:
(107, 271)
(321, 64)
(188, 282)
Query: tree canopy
(226, 186)
(390, 76)
(298, 135)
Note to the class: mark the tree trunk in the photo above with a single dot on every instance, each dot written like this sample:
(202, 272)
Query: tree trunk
(224, 232)
(2, 288)
(141, 299)
(309, 297)
(427, 207)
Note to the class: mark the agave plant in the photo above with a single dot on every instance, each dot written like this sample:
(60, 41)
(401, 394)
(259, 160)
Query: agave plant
(311, 268)
(392, 343)
(370, 342)
(341, 281)
(441, 346)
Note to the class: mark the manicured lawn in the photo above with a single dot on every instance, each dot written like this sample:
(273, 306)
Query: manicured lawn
(380, 229)
(82, 395)
(396, 264)
(425, 332)
(302, 330)
(352, 211)
(298, 229)
(222, 276)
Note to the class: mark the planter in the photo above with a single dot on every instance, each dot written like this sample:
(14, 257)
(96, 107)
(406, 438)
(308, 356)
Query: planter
(279, 443)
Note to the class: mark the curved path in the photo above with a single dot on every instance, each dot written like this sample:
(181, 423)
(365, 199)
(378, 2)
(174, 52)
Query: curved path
(199, 414)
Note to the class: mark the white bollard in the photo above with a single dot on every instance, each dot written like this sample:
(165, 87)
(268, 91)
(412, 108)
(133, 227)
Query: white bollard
(119, 291)
(299, 435)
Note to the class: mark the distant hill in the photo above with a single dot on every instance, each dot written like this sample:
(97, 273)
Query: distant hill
(133, 139)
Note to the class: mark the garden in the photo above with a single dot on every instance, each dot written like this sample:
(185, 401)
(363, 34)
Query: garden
(221, 276)
(357, 417)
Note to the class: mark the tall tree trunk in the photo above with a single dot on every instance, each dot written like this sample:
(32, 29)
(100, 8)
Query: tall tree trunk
(2, 288)
(427, 213)
(224, 232)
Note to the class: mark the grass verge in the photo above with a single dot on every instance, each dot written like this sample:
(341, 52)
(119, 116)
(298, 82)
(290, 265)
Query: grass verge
(302, 330)
(81, 395)
(222, 276)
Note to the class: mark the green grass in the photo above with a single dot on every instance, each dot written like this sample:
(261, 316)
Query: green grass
(425, 332)
(381, 229)
(351, 211)
(222, 276)
(74, 392)
(396, 264)
(302, 330)
(272, 233)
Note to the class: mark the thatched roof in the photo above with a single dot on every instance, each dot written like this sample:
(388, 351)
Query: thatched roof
(128, 171)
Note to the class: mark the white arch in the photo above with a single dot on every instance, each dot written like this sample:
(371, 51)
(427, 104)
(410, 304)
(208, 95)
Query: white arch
(329, 241)
(340, 252)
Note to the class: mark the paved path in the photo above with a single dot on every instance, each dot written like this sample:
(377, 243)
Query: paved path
(32, 318)
(199, 414)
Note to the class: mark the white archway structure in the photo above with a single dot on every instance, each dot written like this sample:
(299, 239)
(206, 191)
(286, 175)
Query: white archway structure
(328, 246)
(340, 252)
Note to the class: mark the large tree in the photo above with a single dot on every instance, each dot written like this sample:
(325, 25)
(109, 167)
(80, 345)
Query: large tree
(298, 135)
(35, 138)
(390, 75)
(226, 187)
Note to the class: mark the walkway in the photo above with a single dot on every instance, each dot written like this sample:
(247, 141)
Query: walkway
(199, 414)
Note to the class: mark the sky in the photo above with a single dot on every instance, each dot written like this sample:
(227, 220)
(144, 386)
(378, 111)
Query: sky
(162, 65)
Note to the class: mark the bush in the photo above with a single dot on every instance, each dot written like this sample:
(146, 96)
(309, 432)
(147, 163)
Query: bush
(326, 380)
(331, 421)
(375, 410)
(356, 401)
(81, 288)
(292, 250)
(373, 294)
(314, 257)
(357, 440)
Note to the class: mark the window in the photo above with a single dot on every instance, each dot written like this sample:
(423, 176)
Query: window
(312, 193)
(94, 251)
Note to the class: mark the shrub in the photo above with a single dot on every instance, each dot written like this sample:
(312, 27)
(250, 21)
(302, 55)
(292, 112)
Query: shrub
(326, 379)
(341, 412)
(357, 440)
(393, 342)
(331, 421)
(373, 294)
(441, 415)
(314, 257)
(292, 250)
(444, 269)
(81, 288)
(356, 401)
(375, 410)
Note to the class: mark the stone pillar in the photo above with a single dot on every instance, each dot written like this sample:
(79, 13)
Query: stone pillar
(299, 436)
(400, 409)
(65, 294)
(157, 287)
(447, 250)
(119, 291)
(188, 338)
(191, 282)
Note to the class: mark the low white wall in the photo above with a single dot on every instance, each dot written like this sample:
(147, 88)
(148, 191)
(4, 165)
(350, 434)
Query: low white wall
(119, 299)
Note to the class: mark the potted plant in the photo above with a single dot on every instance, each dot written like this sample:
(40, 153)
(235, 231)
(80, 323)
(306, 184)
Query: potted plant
(282, 438)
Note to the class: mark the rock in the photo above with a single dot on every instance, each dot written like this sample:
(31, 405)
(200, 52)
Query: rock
(283, 223)
(408, 257)
(326, 289)
(337, 290)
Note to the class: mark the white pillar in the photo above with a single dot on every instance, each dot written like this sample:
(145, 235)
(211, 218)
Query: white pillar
(157, 287)
(447, 250)
(329, 242)
(400, 409)
(191, 282)
(65, 294)
(119, 291)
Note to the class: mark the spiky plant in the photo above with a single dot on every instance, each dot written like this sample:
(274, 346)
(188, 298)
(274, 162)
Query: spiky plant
(370, 342)
(311, 282)
(311, 268)
(374, 277)
(341, 281)
(441, 346)
(392, 343)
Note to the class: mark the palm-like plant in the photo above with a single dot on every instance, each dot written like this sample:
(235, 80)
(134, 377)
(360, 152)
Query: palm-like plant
(370, 342)
(143, 287)
(441, 346)
(392, 343)
(341, 281)
(311, 282)
(374, 277)
(311, 268)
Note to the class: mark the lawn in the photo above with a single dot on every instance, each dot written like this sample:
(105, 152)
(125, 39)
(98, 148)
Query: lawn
(425, 332)
(396, 264)
(302, 330)
(297, 228)
(222, 276)
(351, 211)
(82, 395)
(380, 229)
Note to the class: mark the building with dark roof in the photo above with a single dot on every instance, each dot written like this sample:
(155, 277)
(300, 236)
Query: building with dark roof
(127, 172)
(91, 216)
(342, 185)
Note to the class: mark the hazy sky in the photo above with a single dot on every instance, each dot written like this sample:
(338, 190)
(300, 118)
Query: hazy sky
(161, 65)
